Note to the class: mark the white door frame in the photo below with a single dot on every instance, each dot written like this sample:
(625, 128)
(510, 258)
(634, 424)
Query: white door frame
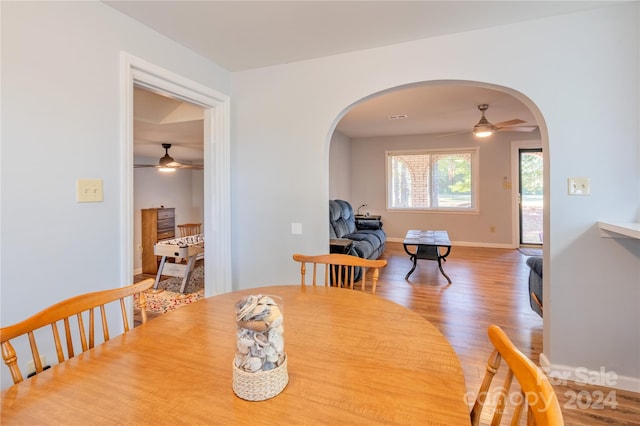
(516, 146)
(217, 211)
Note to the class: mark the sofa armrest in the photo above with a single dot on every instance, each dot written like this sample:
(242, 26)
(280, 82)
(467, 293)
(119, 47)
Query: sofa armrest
(535, 263)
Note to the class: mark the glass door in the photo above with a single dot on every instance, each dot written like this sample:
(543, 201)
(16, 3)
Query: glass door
(530, 166)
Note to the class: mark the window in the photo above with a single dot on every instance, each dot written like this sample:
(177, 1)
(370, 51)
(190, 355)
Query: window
(432, 180)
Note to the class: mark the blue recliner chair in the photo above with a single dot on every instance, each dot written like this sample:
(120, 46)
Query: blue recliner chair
(368, 238)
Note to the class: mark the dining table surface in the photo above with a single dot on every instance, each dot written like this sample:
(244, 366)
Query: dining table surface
(352, 358)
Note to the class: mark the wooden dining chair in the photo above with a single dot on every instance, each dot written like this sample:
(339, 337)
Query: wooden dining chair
(340, 269)
(536, 394)
(187, 229)
(64, 311)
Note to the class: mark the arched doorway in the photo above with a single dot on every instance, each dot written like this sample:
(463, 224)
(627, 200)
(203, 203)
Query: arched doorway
(441, 115)
(369, 186)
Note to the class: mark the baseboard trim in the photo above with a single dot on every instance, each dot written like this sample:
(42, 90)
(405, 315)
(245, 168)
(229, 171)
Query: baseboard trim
(463, 243)
(559, 373)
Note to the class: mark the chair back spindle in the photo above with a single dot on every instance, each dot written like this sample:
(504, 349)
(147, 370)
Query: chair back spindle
(340, 270)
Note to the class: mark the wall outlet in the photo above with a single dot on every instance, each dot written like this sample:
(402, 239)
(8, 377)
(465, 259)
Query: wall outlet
(578, 186)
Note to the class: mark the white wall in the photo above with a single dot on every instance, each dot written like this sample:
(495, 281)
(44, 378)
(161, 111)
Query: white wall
(182, 190)
(494, 201)
(340, 167)
(60, 122)
(579, 74)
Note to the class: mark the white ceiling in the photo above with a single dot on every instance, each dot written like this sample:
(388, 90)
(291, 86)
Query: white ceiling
(430, 109)
(159, 119)
(240, 35)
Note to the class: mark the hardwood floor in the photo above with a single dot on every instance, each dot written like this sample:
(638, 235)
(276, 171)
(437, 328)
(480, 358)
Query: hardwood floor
(490, 287)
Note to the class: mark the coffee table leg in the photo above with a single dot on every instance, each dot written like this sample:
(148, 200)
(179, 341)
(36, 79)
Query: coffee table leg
(415, 261)
(444, 257)
(413, 257)
(442, 270)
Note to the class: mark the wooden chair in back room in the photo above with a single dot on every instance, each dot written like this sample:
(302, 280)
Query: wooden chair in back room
(187, 229)
(340, 269)
(80, 307)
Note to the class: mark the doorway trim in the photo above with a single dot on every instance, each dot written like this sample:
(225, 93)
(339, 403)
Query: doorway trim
(217, 210)
(516, 146)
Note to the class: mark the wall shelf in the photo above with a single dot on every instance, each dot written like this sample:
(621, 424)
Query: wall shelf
(619, 230)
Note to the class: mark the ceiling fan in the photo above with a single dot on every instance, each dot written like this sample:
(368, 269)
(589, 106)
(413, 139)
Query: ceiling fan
(168, 164)
(484, 128)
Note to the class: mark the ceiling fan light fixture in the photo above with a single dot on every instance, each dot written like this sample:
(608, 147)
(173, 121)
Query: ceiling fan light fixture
(483, 134)
(166, 161)
(168, 164)
(483, 129)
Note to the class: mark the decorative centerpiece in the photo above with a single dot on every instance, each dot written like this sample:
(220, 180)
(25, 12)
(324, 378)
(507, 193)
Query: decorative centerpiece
(260, 363)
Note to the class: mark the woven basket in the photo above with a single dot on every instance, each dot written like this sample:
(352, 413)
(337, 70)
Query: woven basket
(260, 385)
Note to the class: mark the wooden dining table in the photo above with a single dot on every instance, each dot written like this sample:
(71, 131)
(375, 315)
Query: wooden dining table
(353, 358)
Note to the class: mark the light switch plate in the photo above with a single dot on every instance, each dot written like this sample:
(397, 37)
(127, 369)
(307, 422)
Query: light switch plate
(88, 190)
(578, 186)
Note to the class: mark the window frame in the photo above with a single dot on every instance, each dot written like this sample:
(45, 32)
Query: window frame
(475, 180)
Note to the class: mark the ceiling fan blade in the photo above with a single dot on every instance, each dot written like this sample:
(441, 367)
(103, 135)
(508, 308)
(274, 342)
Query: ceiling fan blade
(445, 135)
(179, 166)
(167, 162)
(513, 122)
(518, 129)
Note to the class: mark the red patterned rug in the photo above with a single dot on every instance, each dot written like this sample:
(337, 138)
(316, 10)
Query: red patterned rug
(170, 298)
